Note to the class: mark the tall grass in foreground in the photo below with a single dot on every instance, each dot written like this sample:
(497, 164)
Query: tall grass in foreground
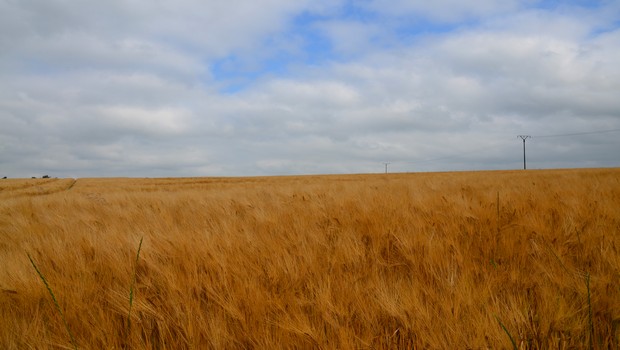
(62, 316)
(401, 261)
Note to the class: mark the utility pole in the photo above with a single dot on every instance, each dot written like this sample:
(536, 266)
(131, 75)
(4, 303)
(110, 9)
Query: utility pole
(524, 137)
(386, 164)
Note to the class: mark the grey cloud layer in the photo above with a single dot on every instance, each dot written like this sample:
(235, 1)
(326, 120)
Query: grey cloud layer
(124, 89)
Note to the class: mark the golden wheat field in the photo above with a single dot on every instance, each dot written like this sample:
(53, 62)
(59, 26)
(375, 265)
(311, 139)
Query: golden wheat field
(464, 260)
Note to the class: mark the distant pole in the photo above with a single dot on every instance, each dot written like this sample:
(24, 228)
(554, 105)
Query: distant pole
(524, 137)
(386, 164)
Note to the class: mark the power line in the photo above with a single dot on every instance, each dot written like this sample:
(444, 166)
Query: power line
(477, 150)
(454, 156)
(460, 155)
(579, 133)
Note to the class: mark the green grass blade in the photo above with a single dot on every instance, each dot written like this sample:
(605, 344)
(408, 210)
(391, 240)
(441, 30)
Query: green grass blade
(131, 288)
(514, 344)
(49, 289)
(591, 324)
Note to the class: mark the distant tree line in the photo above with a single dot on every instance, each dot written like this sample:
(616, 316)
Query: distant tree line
(34, 177)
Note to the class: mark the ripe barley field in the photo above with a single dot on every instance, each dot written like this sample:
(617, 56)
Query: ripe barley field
(468, 260)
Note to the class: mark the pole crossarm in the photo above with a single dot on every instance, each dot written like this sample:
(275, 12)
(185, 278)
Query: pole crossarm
(524, 137)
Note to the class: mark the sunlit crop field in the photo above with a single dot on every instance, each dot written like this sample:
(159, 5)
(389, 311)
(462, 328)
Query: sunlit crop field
(500, 259)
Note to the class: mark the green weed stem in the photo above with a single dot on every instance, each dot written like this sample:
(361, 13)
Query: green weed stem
(131, 288)
(591, 324)
(514, 344)
(49, 289)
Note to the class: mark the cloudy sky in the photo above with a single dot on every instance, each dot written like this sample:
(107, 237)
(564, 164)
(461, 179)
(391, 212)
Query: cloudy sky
(246, 87)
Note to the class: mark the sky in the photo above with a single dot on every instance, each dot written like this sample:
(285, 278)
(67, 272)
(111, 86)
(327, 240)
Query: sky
(155, 88)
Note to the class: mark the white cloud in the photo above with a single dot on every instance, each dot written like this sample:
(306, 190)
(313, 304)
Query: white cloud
(167, 121)
(124, 88)
(313, 94)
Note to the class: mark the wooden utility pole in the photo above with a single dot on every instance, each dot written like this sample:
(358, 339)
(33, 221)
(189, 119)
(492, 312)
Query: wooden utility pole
(524, 137)
(386, 164)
